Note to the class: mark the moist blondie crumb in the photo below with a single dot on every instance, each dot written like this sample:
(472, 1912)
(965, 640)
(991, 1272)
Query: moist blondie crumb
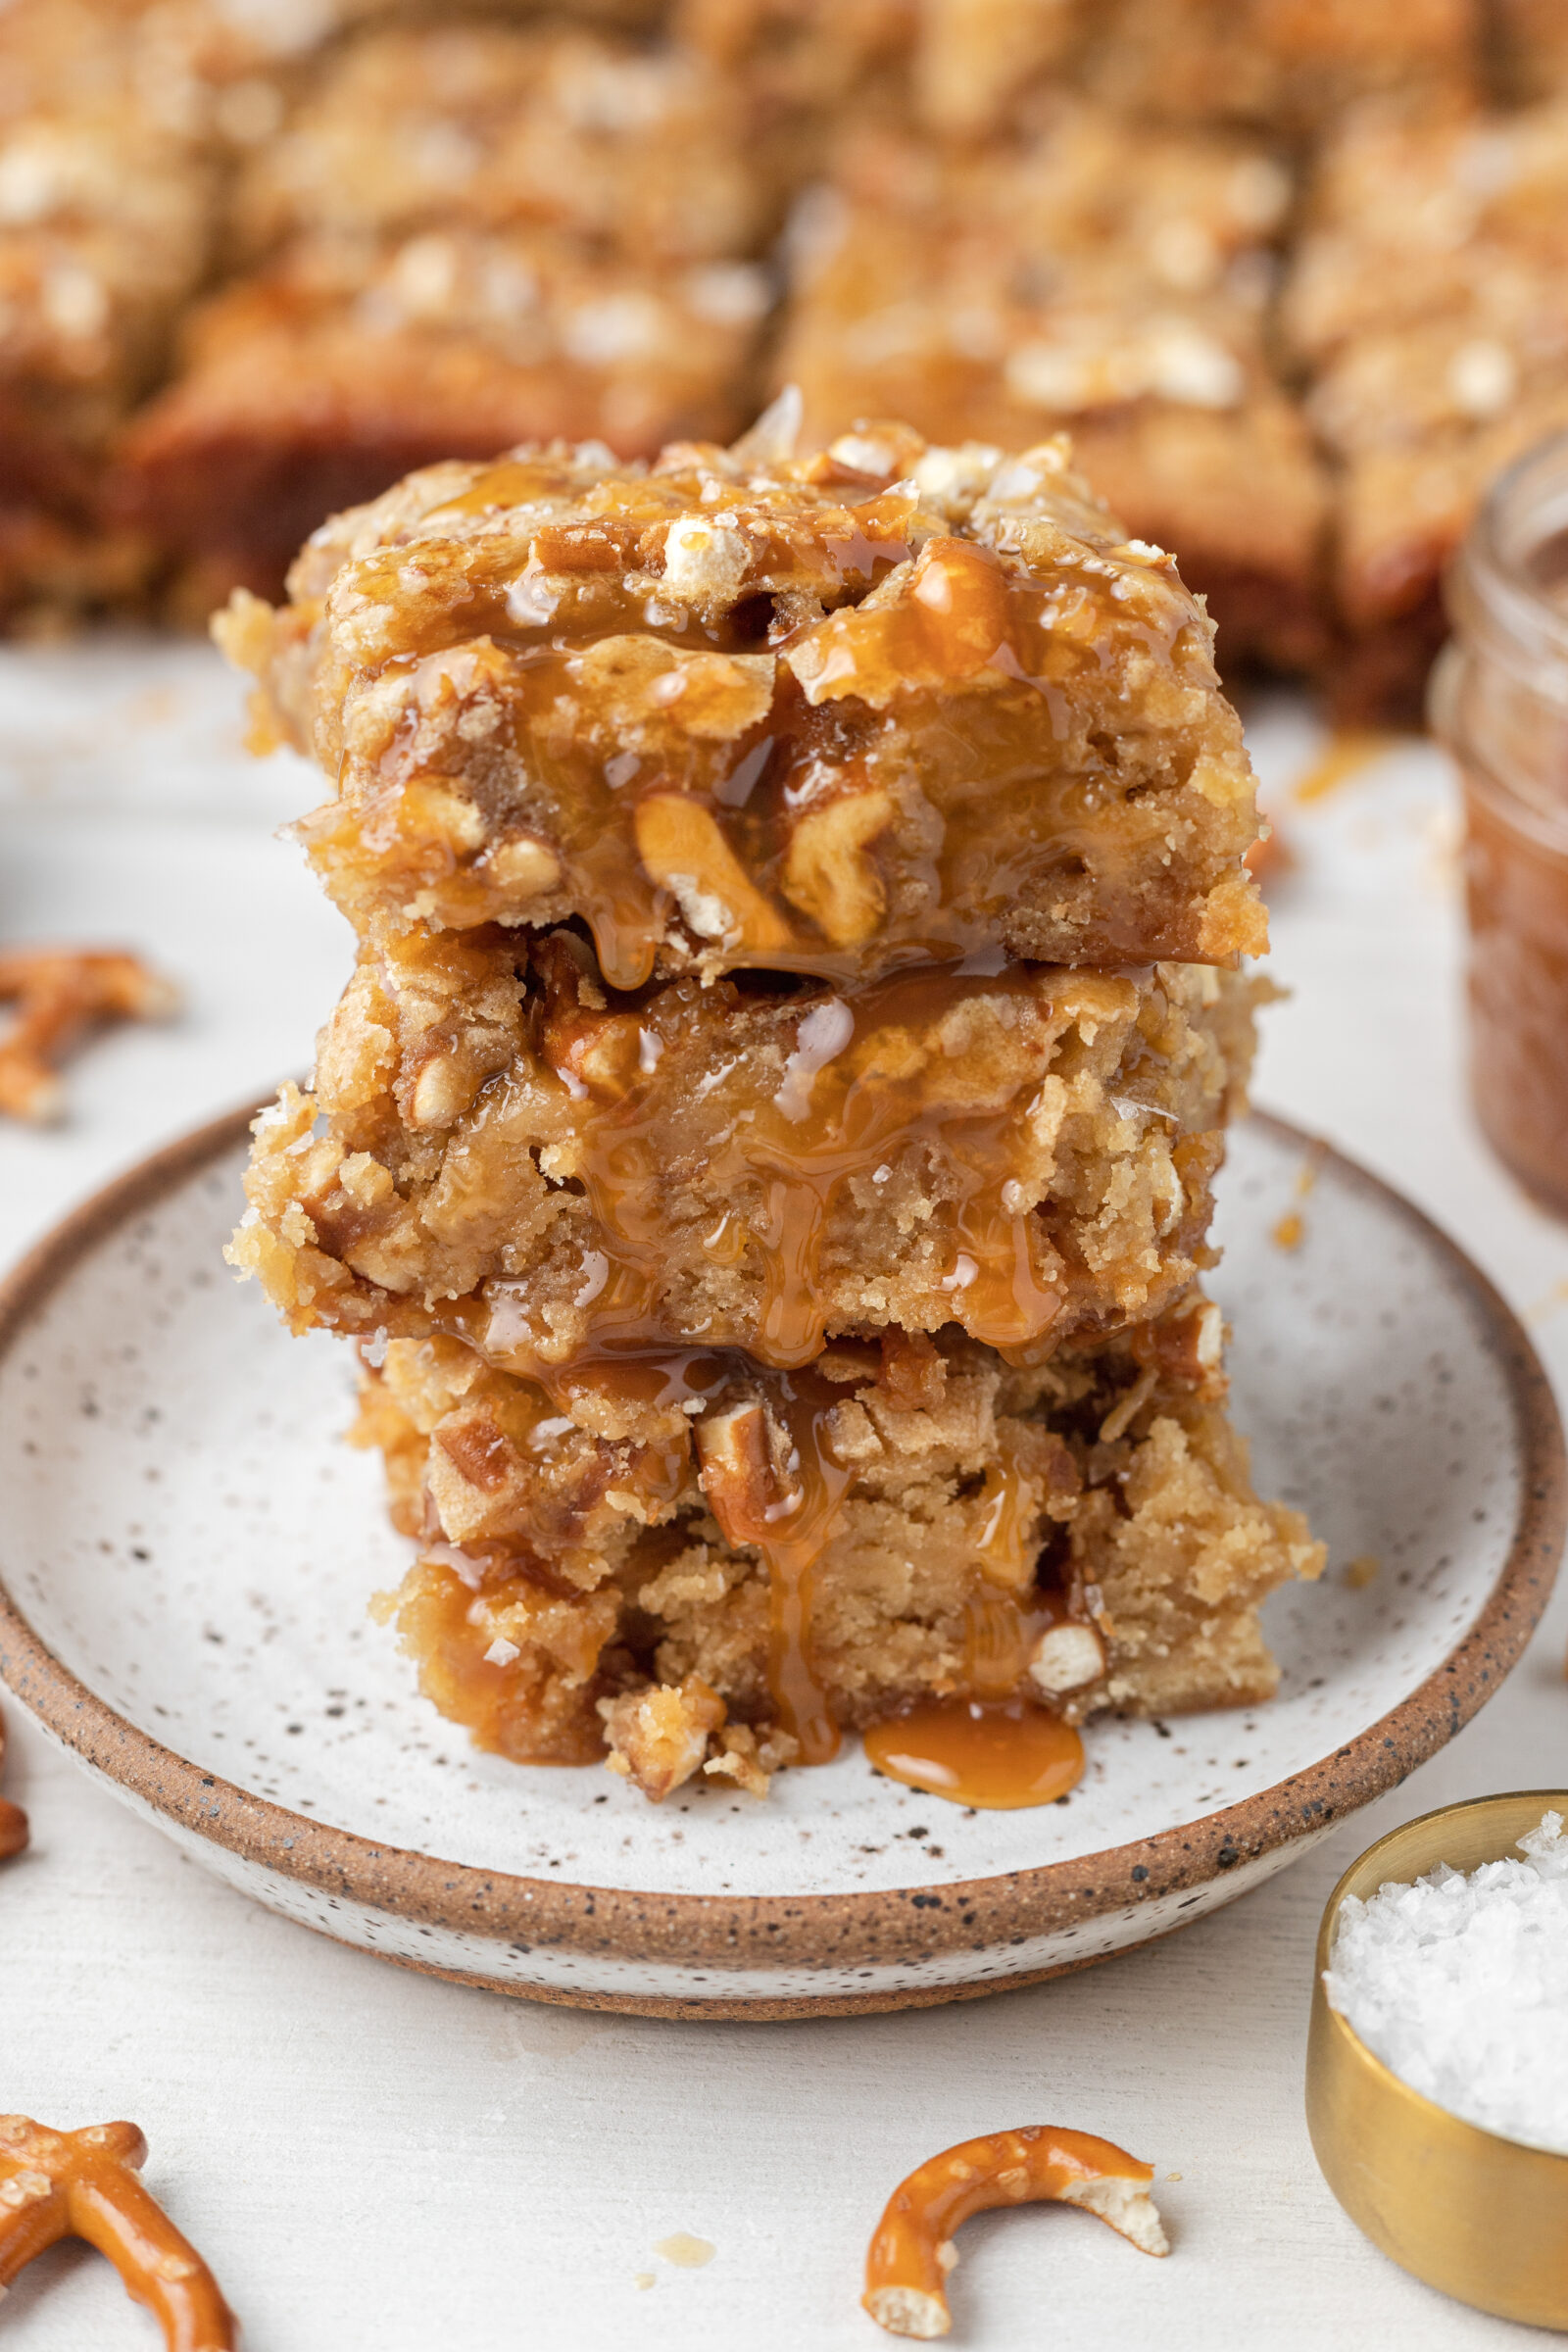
(881, 704)
(498, 1147)
(601, 1559)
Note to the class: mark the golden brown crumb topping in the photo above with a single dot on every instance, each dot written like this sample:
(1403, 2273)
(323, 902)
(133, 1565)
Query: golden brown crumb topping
(493, 124)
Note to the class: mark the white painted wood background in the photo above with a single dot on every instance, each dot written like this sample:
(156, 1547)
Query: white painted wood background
(369, 2158)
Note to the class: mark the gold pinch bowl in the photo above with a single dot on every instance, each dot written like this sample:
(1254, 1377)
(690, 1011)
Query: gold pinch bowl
(1482, 2218)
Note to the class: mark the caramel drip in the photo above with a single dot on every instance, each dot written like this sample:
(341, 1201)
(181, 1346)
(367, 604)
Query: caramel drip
(788, 1525)
(1000, 1633)
(1006, 1613)
(625, 912)
(998, 1755)
(837, 1119)
(1011, 815)
(1344, 756)
(791, 1531)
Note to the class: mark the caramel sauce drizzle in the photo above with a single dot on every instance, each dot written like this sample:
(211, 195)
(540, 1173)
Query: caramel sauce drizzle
(1000, 1756)
(1000, 1629)
(991, 1747)
(843, 1113)
(1008, 813)
(788, 1525)
(791, 1531)
(837, 1117)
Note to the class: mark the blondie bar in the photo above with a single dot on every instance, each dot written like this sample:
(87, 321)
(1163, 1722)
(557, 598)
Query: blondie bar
(715, 1569)
(313, 383)
(495, 125)
(884, 705)
(103, 236)
(463, 236)
(1288, 63)
(496, 1147)
(1427, 306)
(805, 69)
(1110, 282)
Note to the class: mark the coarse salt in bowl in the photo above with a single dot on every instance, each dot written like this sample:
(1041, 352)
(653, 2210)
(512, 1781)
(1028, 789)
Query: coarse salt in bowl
(1437, 2057)
(1459, 1983)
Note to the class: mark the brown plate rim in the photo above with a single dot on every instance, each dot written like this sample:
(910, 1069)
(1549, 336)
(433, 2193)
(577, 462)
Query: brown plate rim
(812, 1933)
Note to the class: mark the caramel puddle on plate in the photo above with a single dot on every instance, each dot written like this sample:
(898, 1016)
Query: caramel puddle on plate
(997, 1754)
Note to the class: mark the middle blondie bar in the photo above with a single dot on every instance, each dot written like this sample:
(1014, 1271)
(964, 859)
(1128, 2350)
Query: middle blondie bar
(499, 1148)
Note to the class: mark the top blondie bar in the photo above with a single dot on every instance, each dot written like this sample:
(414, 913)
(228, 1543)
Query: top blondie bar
(830, 715)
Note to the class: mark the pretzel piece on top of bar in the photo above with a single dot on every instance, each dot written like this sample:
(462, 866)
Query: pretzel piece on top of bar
(56, 2185)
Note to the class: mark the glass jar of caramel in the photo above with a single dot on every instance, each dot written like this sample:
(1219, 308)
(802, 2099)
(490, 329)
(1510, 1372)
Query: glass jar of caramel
(1499, 702)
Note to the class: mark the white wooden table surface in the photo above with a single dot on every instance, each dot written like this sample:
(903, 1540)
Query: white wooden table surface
(367, 2157)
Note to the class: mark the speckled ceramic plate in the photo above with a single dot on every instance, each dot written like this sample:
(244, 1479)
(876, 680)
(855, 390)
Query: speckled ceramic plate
(188, 1551)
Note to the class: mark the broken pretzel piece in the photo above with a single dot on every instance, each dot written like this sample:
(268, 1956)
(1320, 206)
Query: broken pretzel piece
(913, 2251)
(13, 1820)
(56, 2185)
(60, 993)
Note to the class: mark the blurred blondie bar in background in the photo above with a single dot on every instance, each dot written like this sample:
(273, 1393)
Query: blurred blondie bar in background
(1287, 270)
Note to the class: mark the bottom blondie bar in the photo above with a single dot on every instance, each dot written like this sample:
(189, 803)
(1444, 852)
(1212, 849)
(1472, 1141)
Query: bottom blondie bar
(689, 1565)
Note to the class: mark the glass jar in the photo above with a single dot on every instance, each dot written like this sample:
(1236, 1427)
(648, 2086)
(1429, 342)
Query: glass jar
(1499, 702)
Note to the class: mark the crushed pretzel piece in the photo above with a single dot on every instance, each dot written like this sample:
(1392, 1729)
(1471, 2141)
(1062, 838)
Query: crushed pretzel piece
(1066, 1657)
(56, 2185)
(13, 1820)
(913, 2250)
(60, 994)
(1185, 1343)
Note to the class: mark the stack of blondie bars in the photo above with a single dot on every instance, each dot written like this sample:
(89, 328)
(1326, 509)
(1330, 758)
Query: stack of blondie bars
(764, 1152)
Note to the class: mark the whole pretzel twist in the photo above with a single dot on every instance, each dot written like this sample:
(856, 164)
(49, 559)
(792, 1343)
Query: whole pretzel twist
(13, 1820)
(56, 2185)
(59, 992)
(913, 2251)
